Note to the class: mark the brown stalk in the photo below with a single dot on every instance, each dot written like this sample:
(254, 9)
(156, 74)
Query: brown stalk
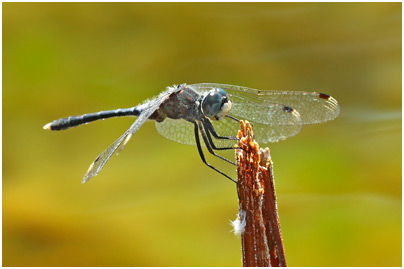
(261, 239)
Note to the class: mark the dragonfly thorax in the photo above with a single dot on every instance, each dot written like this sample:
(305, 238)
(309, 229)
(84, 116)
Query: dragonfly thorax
(216, 104)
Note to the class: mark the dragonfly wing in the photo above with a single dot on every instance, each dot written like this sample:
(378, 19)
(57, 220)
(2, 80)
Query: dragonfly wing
(147, 108)
(265, 129)
(271, 122)
(178, 130)
(102, 159)
(313, 107)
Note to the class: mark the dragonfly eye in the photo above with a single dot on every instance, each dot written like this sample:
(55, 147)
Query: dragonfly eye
(216, 104)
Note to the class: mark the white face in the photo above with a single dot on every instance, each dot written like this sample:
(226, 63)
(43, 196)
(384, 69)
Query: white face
(224, 110)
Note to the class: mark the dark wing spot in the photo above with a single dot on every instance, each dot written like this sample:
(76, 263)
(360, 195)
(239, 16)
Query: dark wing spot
(324, 96)
(287, 109)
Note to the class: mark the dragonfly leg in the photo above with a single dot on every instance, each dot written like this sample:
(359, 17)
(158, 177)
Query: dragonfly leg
(233, 118)
(208, 132)
(198, 144)
(210, 129)
(208, 144)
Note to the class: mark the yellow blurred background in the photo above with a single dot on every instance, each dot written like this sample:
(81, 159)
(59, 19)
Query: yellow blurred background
(156, 204)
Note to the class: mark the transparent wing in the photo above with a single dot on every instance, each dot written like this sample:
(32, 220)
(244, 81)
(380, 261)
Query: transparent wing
(266, 125)
(102, 159)
(147, 110)
(313, 107)
(179, 130)
(271, 122)
(182, 131)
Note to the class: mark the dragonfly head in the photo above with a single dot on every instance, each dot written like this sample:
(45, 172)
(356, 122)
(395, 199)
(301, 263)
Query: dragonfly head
(216, 104)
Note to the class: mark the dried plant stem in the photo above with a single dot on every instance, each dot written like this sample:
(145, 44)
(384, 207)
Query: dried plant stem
(262, 243)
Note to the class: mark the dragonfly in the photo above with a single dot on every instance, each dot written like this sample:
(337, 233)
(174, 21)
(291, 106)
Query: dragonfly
(211, 111)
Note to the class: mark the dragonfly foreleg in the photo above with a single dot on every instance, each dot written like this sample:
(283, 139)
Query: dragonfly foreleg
(208, 132)
(210, 129)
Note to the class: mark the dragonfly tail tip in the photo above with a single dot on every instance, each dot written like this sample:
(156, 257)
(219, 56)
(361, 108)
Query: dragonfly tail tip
(47, 126)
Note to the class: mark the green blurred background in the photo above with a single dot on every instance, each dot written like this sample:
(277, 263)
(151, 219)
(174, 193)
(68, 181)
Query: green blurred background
(156, 204)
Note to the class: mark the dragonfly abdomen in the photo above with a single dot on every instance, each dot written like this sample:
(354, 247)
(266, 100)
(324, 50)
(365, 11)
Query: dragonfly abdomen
(72, 121)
